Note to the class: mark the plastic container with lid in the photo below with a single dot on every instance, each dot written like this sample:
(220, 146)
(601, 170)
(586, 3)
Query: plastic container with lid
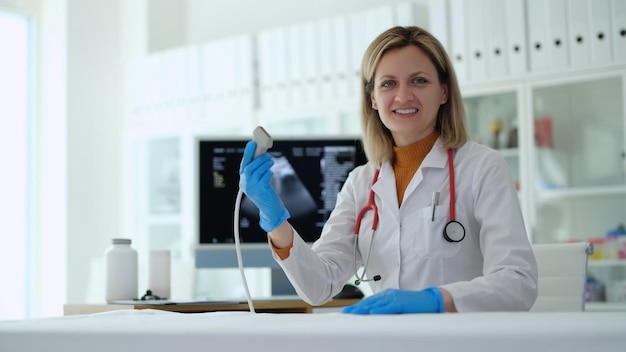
(598, 248)
(615, 241)
(121, 270)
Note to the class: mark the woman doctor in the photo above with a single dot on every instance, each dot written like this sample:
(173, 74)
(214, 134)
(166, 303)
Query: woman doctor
(430, 252)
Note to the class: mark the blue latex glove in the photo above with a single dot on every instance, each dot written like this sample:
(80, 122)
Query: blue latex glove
(254, 181)
(393, 301)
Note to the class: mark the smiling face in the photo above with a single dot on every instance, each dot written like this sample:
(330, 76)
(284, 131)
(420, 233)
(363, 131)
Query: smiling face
(407, 94)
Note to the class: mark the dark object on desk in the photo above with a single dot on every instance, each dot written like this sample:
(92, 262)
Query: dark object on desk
(149, 296)
(349, 291)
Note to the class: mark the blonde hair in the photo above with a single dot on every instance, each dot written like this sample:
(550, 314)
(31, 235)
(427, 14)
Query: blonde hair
(451, 120)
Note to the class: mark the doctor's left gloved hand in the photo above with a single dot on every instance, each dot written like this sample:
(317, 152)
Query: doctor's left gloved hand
(393, 301)
(254, 181)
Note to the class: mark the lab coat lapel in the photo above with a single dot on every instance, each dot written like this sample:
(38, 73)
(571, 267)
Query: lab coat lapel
(385, 190)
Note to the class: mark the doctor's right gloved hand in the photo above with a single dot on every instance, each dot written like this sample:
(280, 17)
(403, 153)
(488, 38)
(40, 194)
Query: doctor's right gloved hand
(254, 181)
(394, 301)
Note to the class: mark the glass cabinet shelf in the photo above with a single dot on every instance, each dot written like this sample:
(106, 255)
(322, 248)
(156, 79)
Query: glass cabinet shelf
(492, 117)
(581, 192)
(577, 156)
(607, 263)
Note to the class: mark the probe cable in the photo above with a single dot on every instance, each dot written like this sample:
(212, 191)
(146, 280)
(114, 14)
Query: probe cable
(238, 250)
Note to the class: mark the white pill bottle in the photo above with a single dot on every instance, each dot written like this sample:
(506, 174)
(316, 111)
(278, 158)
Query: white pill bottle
(121, 270)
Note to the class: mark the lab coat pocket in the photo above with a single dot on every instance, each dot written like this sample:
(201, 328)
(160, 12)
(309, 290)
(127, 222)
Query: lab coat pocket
(424, 233)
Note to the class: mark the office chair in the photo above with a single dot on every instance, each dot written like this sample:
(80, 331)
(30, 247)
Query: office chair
(562, 276)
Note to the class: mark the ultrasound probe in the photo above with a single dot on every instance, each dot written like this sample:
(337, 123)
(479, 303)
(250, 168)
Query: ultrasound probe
(263, 142)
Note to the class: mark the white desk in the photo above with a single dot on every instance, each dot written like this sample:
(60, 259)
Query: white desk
(156, 331)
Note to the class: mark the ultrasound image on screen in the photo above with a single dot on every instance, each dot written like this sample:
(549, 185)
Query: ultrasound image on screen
(307, 175)
(291, 190)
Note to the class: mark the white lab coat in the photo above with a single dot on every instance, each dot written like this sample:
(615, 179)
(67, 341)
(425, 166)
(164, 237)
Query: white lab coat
(492, 269)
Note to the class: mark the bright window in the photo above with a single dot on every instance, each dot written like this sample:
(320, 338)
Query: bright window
(14, 156)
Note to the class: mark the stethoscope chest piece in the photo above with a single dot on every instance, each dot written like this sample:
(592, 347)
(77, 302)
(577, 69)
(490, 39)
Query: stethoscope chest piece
(454, 231)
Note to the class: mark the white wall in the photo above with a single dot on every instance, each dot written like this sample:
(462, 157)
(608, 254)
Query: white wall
(95, 111)
(49, 259)
(102, 37)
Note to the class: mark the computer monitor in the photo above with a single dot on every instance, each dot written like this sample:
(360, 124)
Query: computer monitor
(308, 175)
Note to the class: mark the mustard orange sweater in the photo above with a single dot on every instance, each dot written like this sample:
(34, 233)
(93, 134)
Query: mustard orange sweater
(408, 159)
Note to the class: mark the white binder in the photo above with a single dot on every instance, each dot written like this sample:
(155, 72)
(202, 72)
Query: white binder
(326, 62)
(265, 67)
(310, 46)
(557, 43)
(538, 38)
(437, 21)
(341, 56)
(458, 40)
(496, 52)
(245, 72)
(358, 44)
(618, 29)
(377, 20)
(404, 15)
(296, 65)
(600, 24)
(579, 34)
(477, 29)
(227, 77)
(517, 47)
(219, 75)
(281, 65)
(209, 84)
(192, 80)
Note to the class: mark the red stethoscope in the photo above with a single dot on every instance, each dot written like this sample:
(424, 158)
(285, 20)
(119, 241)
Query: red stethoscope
(452, 232)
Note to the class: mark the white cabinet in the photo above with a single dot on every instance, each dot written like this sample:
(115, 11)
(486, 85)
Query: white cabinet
(563, 136)
(578, 164)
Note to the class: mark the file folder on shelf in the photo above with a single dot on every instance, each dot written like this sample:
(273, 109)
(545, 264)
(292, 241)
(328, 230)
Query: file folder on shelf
(342, 57)
(281, 63)
(405, 15)
(265, 69)
(496, 52)
(579, 35)
(311, 62)
(601, 35)
(557, 44)
(538, 39)
(326, 53)
(296, 64)
(517, 47)
(618, 29)
(477, 22)
(458, 40)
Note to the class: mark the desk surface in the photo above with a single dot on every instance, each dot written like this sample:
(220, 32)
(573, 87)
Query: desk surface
(160, 331)
(278, 305)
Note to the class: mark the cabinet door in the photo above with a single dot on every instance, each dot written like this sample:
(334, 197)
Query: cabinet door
(162, 205)
(493, 121)
(578, 157)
